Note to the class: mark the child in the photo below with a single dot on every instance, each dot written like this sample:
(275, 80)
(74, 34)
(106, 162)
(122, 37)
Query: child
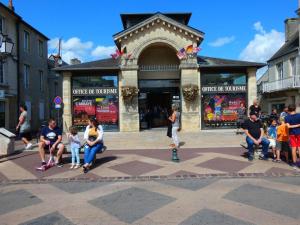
(282, 142)
(272, 134)
(75, 146)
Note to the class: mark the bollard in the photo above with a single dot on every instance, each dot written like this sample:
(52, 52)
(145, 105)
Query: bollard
(175, 155)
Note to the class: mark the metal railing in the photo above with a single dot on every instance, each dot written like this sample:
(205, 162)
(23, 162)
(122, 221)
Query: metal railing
(158, 68)
(282, 84)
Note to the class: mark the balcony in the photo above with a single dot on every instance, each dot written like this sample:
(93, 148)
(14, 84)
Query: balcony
(281, 85)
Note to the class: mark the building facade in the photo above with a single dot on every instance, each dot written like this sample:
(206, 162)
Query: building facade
(281, 84)
(24, 74)
(208, 90)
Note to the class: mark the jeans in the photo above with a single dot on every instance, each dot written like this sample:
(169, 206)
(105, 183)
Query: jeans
(90, 152)
(75, 154)
(175, 136)
(265, 146)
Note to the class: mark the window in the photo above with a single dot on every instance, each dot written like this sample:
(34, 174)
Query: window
(280, 70)
(26, 76)
(41, 48)
(2, 24)
(26, 41)
(41, 75)
(95, 96)
(1, 72)
(293, 66)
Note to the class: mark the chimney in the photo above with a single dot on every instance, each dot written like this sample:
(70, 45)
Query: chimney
(75, 61)
(11, 5)
(291, 27)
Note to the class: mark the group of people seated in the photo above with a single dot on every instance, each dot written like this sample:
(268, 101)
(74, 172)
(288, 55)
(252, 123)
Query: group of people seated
(51, 140)
(283, 136)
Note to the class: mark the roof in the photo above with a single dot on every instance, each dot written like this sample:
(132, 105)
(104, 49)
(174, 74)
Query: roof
(131, 19)
(22, 21)
(203, 61)
(288, 47)
(210, 62)
(160, 16)
(103, 64)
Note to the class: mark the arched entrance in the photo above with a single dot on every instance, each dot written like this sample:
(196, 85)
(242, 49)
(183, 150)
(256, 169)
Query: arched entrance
(159, 82)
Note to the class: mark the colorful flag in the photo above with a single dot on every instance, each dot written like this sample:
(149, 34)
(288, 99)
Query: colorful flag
(196, 50)
(189, 49)
(117, 54)
(181, 54)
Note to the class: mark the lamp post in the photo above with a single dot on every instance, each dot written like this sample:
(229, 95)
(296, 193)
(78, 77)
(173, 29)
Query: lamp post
(6, 45)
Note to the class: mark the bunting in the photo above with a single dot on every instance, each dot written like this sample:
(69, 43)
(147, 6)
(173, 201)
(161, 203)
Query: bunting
(188, 52)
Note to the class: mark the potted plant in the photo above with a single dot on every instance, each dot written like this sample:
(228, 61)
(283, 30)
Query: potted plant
(190, 92)
(129, 92)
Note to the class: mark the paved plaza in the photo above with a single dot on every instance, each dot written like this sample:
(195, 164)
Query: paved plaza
(135, 182)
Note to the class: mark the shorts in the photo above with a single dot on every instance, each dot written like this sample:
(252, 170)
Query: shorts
(283, 146)
(272, 143)
(47, 147)
(26, 135)
(295, 141)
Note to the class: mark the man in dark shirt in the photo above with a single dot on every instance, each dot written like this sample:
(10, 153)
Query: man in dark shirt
(293, 123)
(254, 131)
(51, 138)
(255, 108)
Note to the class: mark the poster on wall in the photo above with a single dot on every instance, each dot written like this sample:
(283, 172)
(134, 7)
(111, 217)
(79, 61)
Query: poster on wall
(220, 110)
(83, 109)
(107, 110)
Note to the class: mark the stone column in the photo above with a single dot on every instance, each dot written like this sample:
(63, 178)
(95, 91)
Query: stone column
(129, 112)
(190, 117)
(67, 100)
(251, 86)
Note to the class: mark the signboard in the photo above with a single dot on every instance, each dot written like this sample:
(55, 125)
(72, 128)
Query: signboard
(224, 89)
(57, 106)
(58, 100)
(94, 91)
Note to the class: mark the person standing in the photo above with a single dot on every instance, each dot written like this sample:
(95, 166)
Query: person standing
(175, 119)
(274, 115)
(255, 136)
(24, 127)
(242, 115)
(75, 147)
(255, 108)
(293, 123)
(284, 113)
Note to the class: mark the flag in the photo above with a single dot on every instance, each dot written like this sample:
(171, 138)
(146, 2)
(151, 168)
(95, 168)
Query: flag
(189, 49)
(196, 50)
(181, 54)
(117, 54)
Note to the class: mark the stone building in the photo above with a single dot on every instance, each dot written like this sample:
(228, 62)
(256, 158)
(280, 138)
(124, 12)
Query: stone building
(23, 75)
(281, 84)
(150, 44)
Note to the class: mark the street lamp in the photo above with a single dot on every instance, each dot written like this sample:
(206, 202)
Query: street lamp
(6, 45)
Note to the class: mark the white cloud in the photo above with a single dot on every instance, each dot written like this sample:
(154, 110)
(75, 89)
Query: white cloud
(75, 48)
(103, 51)
(263, 45)
(222, 41)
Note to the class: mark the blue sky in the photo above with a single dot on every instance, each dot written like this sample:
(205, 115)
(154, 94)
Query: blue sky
(237, 29)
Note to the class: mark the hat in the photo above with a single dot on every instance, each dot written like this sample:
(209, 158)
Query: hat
(253, 113)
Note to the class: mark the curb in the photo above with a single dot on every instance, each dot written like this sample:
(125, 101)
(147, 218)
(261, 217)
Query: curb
(149, 178)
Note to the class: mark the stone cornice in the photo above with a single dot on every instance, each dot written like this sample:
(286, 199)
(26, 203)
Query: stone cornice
(159, 19)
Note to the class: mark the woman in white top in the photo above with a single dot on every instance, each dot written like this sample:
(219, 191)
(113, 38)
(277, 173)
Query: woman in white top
(24, 127)
(93, 136)
(175, 119)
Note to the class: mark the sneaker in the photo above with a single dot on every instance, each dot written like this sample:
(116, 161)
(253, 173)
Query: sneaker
(262, 157)
(85, 169)
(77, 166)
(294, 166)
(278, 160)
(59, 164)
(44, 163)
(72, 166)
(250, 158)
(28, 146)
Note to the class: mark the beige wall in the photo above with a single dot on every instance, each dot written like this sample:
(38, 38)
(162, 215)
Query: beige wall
(251, 85)
(67, 100)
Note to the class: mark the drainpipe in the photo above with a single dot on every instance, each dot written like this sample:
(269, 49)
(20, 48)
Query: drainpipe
(18, 66)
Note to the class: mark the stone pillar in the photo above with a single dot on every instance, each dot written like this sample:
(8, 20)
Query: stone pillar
(251, 86)
(67, 100)
(190, 117)
(129, 112)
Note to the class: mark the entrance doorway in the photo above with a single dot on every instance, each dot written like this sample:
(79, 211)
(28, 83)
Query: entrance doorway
(155, 101)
